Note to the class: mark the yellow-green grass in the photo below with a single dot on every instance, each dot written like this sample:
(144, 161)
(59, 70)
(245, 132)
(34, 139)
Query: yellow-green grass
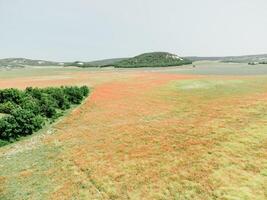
(148, 136)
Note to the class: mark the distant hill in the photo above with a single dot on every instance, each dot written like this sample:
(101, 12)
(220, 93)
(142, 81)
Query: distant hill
(195, 58)
(106, 61)
(246, 59)
(236, 59)
(22, 62)
(97, 63)
(154, 59)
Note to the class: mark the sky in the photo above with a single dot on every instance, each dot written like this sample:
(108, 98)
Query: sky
(67, 30)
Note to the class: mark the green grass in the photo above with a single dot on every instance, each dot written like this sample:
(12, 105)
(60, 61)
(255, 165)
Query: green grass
(36, 166)
(217, 88)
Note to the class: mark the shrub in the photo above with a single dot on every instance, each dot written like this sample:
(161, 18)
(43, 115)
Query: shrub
(34, 92)
(47, 106)
(29, 109)
(21, 123)
(59, 97)
(7, 107)
(74, 94)
(85, 90)
(32, 104)
(27, 122)
(12, 95)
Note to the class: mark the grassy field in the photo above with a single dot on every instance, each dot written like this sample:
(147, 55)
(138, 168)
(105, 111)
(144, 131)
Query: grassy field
(145, 134)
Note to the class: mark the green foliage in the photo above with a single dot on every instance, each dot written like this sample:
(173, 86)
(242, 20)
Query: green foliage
(59, 97)
(7, 107)
(28, 110)
(85, 90)
(30, 103)
(21, 122)
(74, 94)
(11, 95)
(156, 59)
(47, 105)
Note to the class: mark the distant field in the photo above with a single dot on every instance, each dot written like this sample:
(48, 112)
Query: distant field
(165, 133)
(218, 68)
(201, 68)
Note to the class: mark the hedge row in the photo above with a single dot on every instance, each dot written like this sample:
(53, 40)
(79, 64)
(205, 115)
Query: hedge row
(27, 111)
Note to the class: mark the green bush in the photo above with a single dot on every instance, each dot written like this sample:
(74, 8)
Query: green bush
(30, 103)
(7, 107)
(59, 97)
(85, 90)
(11, 95)
(28, 110)
(47, 105)
(21, 122)
(74, 94)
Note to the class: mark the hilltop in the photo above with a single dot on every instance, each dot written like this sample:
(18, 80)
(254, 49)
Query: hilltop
(154, 59)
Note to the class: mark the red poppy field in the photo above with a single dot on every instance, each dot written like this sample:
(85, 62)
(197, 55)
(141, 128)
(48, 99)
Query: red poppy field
(145, 135)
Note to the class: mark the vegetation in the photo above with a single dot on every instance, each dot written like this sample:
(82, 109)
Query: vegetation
(27, 111)
(156, 59)
(252, 63)
(258, 63)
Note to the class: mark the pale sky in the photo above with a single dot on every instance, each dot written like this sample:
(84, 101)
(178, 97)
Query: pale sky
(95, 29)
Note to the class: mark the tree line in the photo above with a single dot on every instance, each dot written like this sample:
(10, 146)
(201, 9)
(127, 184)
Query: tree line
(26, 111)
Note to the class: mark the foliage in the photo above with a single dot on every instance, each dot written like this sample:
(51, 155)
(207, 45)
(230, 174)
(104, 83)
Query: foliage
(28, 110)
(21, 122)
(11, 95)
(74, 94)
(7, 107)
(156, 59)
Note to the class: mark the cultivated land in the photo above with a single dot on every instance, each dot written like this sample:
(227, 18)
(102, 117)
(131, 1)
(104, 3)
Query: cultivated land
(172, 133)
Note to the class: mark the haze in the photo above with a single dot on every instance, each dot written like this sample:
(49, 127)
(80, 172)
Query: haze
(64, 30)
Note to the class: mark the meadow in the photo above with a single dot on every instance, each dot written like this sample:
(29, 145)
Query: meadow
(165, 133)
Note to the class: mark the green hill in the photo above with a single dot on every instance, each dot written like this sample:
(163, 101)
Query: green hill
(154, 59)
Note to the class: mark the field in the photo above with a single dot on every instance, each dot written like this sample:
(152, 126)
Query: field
(172, 133)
